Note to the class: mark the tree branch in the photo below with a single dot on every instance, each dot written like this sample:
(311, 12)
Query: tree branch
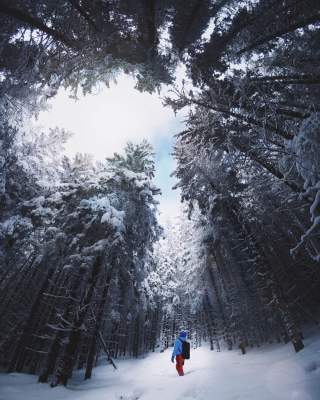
(35, 23)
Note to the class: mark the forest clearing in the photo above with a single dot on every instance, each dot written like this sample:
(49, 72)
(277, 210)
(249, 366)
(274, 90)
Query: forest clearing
(273, 372)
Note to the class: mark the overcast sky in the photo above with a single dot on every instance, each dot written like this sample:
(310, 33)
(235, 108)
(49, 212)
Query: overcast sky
(104, 122)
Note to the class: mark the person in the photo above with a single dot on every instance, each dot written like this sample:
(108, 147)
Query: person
(178, 352)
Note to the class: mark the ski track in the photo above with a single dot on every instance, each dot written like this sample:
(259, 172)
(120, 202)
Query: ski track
(272, 372)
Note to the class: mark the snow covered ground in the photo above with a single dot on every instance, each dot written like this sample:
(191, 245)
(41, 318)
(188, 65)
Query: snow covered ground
(273, 372)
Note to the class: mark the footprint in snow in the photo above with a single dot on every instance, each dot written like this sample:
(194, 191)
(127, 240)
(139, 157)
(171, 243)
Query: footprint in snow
(136, 395)
(313, 366)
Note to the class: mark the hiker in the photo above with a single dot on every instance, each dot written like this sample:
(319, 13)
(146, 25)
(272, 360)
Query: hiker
(181, 352)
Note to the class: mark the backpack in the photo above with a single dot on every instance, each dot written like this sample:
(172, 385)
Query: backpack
(185, 350)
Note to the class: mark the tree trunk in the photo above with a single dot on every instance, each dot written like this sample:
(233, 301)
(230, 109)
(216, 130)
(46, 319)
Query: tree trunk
(97, 327)
(18, 358)
(68, 358)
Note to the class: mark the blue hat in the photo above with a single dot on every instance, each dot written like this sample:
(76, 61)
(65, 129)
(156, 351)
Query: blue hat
(183, 334)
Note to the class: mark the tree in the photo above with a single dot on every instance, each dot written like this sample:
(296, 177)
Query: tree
(97, 234)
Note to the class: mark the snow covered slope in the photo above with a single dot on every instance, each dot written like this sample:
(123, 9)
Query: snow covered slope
(270, 373)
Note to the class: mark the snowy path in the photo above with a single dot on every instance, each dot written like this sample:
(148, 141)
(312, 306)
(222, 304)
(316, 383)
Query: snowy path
(273, 373)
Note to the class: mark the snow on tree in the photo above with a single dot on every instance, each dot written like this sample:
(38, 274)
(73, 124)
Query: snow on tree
(306, 149)
(83, 240)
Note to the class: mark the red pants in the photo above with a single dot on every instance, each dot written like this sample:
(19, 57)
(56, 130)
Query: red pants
(179, 365)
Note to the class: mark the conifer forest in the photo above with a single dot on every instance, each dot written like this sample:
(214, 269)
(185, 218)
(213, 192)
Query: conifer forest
(88, 273)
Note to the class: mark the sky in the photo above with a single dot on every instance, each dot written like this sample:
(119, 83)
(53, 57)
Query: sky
(104, 122)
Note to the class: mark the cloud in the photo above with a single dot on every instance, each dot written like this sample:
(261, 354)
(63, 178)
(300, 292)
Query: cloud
(104, 122)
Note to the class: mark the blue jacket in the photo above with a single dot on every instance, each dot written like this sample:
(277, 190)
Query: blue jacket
(177, 349)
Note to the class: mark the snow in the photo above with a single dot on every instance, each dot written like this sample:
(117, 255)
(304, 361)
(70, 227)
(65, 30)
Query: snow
(9, 226)
(306, 146)
(111, 215)
(114, 218)
(306, 149)
(96, 203)
(273, 372)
